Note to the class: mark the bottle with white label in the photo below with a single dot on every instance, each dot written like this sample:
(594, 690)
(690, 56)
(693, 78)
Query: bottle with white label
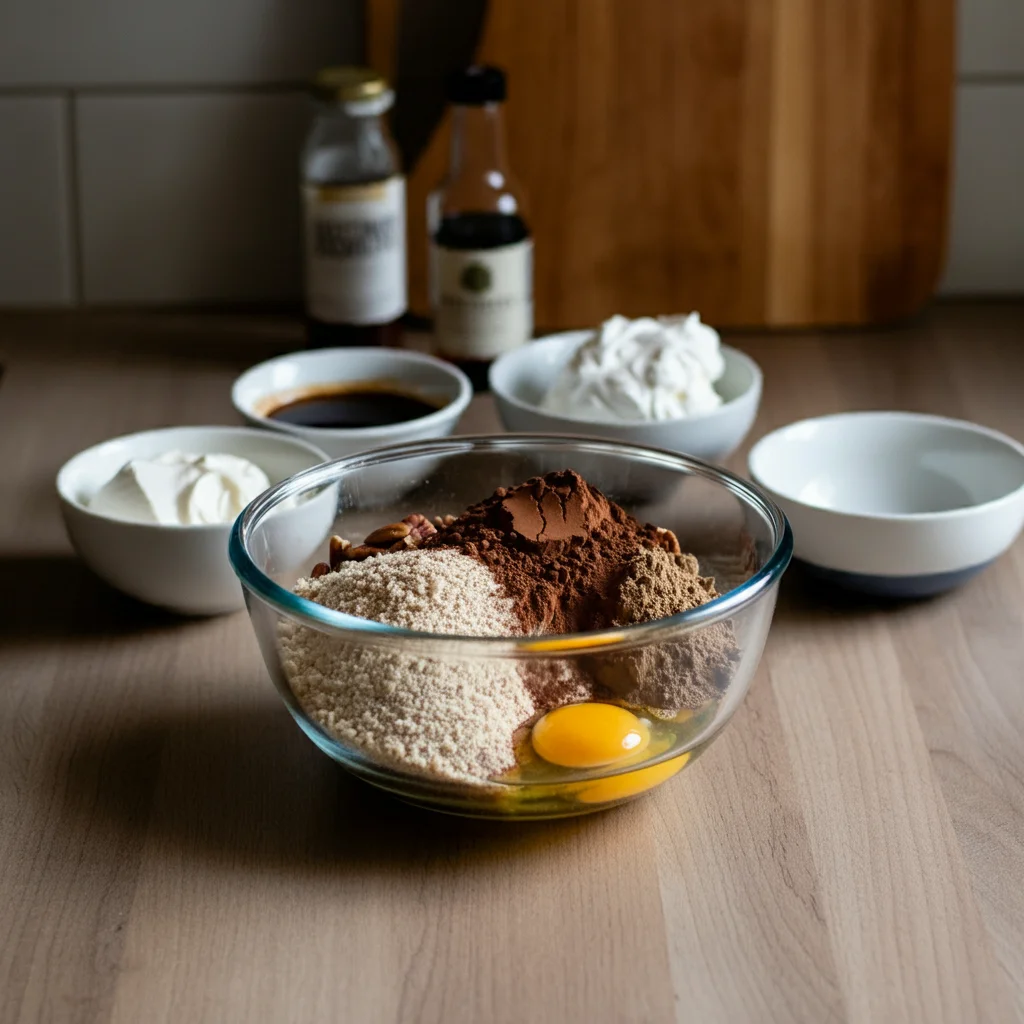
(353, 196)
(481, 252)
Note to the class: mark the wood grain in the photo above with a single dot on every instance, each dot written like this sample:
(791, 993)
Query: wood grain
(381, 41)
(172, 848)
(769, 162)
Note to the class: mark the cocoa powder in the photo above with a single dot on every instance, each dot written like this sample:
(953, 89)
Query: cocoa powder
(557, 546)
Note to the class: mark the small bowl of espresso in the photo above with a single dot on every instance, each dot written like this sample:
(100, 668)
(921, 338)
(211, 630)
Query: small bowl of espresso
(347, 400)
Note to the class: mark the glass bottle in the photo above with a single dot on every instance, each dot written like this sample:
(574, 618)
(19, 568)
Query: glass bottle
(354, 214)
(481, 252)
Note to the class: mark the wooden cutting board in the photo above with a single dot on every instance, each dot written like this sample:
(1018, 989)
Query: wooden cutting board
(767, 162)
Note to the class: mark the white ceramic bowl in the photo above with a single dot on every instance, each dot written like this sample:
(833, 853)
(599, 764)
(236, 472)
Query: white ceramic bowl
(432, 379)
(894, 503)
(183, 568)
(520, 379)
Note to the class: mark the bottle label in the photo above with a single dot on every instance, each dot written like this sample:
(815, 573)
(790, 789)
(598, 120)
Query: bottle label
(482, 299)
(355, 252)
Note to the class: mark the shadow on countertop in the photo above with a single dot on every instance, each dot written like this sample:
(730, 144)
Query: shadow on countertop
(243, 785)
(57, 595)
(802, 594)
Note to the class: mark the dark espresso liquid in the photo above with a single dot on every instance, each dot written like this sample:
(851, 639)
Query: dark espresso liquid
(352, 408)
(466, 231)
(481, 230)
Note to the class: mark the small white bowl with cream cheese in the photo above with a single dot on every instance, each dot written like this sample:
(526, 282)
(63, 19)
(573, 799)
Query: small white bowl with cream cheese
(667, 382)
(151, 513)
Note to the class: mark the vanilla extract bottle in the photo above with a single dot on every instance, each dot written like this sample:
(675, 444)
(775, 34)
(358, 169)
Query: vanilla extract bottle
(354, 213)
(481, 251)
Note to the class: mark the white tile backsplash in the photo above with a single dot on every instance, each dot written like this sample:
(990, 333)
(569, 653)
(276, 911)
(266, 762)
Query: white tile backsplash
(190, 198)
(991, 37)
(109, 42)
(987, 228)
(36, 262)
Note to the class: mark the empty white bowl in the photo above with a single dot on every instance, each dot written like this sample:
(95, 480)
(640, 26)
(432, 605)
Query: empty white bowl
(521, 378)
(894, 503)
(266, 386)
(182, 568)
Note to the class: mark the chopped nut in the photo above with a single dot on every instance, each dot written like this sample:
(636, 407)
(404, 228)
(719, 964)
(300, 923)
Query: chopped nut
(357, 554)
(405, 544)
(385, 536)
(336, 550)
(320, 569)
(442, 521)
(667, 540)
(420, 528)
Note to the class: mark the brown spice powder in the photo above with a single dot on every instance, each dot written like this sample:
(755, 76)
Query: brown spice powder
(675, 674)
(657, 584)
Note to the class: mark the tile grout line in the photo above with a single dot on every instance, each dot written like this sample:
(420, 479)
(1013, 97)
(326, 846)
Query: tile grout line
(162, 88)
(993, 78)
(129, 89)
(72, 186)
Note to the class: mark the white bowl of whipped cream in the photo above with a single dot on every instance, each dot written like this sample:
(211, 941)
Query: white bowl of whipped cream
(666, 381)
(151, 513)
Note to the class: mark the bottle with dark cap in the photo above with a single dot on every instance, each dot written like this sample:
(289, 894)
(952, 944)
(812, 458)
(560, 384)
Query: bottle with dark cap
(481, 258)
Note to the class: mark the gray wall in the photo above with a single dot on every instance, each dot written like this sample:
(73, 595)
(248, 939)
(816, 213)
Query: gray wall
(987, 230)
(148, 148)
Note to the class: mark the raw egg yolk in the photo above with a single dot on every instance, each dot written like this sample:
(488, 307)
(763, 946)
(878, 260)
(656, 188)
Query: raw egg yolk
(589, 735)
(619, 787)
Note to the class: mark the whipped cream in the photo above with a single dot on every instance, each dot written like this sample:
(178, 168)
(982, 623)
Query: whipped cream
(641, 371)
(181, 489)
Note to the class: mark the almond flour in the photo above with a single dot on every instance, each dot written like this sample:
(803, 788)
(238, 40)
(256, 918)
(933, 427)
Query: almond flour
(452, 718)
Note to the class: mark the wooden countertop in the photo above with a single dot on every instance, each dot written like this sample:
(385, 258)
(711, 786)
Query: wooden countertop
(173, 849)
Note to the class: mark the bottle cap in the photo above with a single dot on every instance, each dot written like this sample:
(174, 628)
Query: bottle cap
(348, 84)
(476, 85)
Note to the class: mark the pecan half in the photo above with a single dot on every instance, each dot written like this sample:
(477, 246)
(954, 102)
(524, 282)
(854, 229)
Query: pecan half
(320, 569)
(357, 554)
(385, 536)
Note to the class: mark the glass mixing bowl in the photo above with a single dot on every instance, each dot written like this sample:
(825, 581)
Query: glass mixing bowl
(739, 536)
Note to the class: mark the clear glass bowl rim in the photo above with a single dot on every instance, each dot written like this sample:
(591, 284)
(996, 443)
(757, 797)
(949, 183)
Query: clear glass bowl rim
(351, 627)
